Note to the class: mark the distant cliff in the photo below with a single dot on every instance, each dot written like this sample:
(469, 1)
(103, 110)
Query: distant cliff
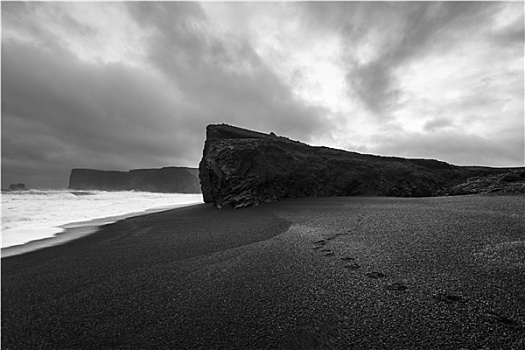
(241, 168)
(17, 187)
(167, 180)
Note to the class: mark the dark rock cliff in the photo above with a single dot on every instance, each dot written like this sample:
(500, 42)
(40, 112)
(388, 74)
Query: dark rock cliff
(512, 182)
(17, 187)
(241, 168)
(167, 180)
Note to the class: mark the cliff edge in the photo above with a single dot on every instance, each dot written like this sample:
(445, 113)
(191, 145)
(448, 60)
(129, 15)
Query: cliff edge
(166, 180)
(241, 168)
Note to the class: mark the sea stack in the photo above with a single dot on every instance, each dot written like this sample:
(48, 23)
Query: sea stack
(242, 168)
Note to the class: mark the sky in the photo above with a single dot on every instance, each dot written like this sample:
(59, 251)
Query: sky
(127, 85)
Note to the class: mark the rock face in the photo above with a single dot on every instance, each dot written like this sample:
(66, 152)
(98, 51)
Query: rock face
(167, 180)
(242, 168)
(508, 183)
(17, 187)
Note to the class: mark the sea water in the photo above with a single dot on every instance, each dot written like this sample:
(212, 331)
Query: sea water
(37, 214)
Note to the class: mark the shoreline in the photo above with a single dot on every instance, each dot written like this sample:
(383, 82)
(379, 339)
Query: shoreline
(334, 272)
(79, 229)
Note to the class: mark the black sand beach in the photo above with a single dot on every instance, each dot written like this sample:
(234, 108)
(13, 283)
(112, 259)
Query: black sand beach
(324, 273)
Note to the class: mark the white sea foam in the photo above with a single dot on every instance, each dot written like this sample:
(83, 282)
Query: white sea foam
(34, 214)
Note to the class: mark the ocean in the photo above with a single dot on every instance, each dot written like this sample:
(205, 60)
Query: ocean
(36, 215)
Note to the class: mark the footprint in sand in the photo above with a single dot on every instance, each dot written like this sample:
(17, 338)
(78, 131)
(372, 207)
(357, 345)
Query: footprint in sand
(375, 274)
(327, 252)
(494, 317)
(347, 258)
(396, 286)
(448, 298)
(352, 266)
(319, 244)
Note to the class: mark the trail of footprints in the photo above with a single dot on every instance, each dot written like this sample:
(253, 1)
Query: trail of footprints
(350, 263)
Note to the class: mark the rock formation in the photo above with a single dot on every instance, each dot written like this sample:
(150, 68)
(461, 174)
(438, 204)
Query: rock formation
(242, 168)
(17, 187)
(167, 180)
(508, 182)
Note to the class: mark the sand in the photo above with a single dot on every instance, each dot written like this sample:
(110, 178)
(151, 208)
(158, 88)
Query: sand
(324, 273)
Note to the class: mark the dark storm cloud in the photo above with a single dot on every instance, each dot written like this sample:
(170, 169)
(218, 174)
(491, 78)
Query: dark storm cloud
(373, 84)
(85, 115)
(60, 112)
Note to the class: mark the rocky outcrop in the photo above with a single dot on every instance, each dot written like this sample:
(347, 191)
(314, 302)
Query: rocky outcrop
(167, 180)
(507, 183)
(242, 168)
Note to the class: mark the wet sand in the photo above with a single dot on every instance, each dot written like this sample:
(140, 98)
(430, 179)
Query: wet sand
(75, 230)
(325, 273)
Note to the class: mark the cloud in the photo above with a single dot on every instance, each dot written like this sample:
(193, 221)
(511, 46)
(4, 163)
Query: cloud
(437, 123)
(373, 84)
(74, 111)
(379, 38)
(508, 25)
(435, 71)
(453, 147)
(222, 73)
(132, 85)
(86, 115)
